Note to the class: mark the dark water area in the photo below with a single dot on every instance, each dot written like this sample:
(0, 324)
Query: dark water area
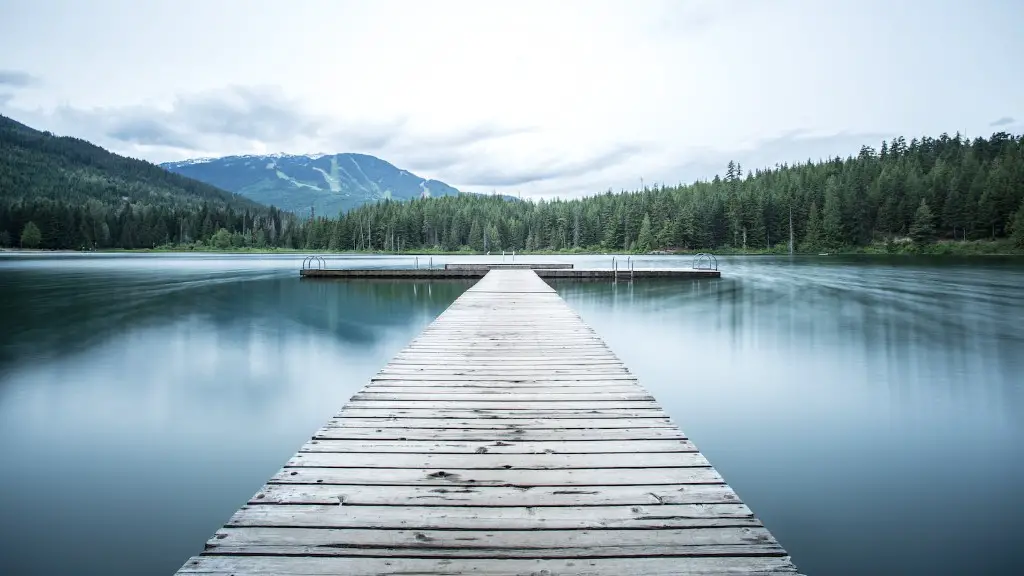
(869, 410)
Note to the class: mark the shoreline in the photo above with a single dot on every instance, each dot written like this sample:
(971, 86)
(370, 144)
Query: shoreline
(970, 248)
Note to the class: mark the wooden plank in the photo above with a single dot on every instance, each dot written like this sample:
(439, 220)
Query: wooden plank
(391, 386)
(487, 460)
(445, 396)
(500, 424)
(497, 435)
(495, 413)
(359, 495)
(501, 477)
(305, 565)
(496, 517)
(599, 446)
(685, 542)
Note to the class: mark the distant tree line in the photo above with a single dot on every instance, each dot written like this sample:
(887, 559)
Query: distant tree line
(927, 189)
(67, 193)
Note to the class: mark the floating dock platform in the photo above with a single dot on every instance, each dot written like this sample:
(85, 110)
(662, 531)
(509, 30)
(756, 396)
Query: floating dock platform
(546, 271)
(506, 439)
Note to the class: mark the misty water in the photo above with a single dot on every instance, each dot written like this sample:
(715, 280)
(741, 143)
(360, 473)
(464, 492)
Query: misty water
(869, 410)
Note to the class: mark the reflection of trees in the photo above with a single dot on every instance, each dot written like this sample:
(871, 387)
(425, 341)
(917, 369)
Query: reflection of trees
(48, 313)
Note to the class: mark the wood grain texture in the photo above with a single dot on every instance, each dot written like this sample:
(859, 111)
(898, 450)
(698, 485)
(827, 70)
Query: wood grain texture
(505, 439)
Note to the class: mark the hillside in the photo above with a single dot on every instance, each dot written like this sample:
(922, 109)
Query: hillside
(78, 195)
(329, 184)
(903, 196)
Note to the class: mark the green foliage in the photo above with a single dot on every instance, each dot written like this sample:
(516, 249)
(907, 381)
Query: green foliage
(5, 239)
(221, 239)
(1018, 226)
(812, 237)
(922, 230)
(80, 196)
(645, 239)
(31, 237)
(838, 204)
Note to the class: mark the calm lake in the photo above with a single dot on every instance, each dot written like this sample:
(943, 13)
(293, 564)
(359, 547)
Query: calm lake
(869, 410)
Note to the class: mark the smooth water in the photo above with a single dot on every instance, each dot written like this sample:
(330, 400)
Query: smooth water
(870, 411)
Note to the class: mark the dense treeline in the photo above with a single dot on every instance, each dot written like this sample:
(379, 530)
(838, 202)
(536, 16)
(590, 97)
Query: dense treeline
(67, 193)
(60, 192)
(944, 188)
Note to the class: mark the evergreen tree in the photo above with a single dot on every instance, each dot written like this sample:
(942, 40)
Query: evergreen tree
(645, 238)
(812, 235)
(832, 217)
(31, 237)
(1018, 227)
(476, 237)
(923, 228)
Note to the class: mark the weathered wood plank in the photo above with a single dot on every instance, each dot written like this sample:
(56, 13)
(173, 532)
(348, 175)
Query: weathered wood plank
(685, 542)
(486, 460)
(497, 435)
(497, 517)
(501, 424)
(335, 548)
(389, 387)
(498, 413)
(359, 495)
(445, 396)
(599, 446)
(507, 404)
(502, 477)
(242, 565)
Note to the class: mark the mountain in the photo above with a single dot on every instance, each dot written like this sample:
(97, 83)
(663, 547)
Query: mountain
(36, 164)
(328, 183)
(58, 192)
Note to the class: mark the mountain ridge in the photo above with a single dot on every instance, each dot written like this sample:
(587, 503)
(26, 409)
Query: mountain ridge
(327, 184)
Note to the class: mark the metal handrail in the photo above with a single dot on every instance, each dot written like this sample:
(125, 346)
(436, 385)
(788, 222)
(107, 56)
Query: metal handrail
(705, 261)
(309, 261)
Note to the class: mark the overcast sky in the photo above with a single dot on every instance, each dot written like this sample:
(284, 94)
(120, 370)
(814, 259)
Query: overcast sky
(540, 98)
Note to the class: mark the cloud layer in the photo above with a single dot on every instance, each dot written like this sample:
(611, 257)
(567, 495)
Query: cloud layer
(528, 97)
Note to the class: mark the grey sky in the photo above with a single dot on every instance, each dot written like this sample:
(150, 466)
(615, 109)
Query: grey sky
(541, 98)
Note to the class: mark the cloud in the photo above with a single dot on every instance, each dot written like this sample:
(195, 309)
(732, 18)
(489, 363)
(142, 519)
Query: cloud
(509, 174)
(1005, 120)
(5, 98)
(17, 79)
(261, 119)
(148, 132)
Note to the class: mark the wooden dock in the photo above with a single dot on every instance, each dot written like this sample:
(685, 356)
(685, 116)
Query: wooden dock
(480, 270)
(505, 439)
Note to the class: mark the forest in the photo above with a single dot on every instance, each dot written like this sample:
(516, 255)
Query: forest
(64, 193)
(899, 195)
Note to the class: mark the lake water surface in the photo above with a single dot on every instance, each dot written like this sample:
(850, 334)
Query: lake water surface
(869, 410)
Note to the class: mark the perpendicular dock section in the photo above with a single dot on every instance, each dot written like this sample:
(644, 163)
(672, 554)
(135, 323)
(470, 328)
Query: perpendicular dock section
(507, 438)
(470, 271)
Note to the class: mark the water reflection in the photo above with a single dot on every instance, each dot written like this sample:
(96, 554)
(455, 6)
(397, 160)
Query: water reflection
(853, 407)
(140, 408)
(868, 409)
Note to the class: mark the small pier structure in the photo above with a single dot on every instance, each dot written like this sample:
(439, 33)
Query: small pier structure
(505, 439)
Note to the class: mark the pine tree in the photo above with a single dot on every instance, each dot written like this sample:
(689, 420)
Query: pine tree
(476, 237)
(832, 217)
(645, 239)
(922, 230)
(1018, 227)
(812, 236)
(31, 237)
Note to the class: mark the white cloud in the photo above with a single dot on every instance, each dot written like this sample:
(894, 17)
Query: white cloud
(538, 97)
